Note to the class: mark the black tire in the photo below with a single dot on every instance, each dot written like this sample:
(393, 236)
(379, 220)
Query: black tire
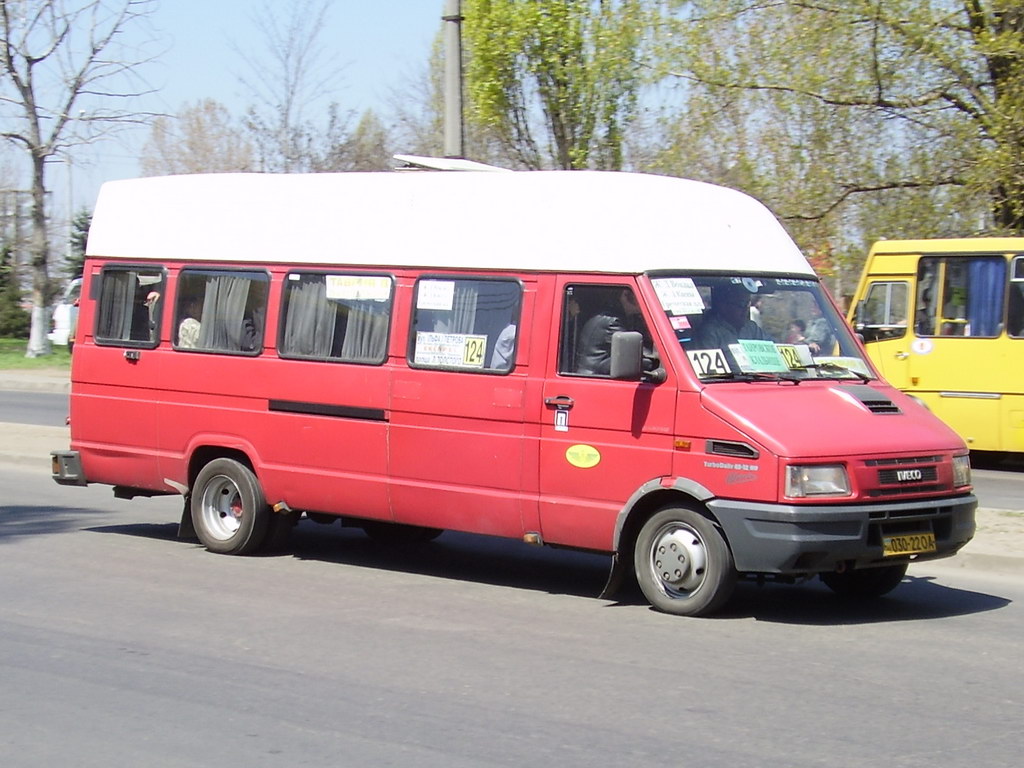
(683, 564)
(229, 511)
(399, 533)
(866, 583)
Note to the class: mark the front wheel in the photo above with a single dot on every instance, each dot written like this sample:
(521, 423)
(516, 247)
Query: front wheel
(229, 510)
(866, 583)
(683, 565)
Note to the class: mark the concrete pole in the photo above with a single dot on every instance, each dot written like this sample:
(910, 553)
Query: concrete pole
(453, 79)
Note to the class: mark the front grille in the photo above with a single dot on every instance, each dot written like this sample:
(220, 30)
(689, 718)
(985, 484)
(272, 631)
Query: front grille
(921, 475)
(904, 461)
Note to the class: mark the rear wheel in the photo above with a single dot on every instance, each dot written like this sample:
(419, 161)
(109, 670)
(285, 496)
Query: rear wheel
(866, 583)
(683, 565)
(229, 510)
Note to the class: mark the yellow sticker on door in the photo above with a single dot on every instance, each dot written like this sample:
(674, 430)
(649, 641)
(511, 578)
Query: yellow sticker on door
(583, 456)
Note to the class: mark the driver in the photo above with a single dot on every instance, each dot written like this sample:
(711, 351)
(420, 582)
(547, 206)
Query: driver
(728, 321)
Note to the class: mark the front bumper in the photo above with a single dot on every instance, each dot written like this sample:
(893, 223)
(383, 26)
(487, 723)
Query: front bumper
(789, 539)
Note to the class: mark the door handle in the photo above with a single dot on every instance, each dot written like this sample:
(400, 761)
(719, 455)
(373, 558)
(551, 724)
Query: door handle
(901, 355)
(561, 402)
(132, 355)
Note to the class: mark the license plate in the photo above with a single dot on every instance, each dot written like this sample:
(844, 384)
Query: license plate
(908, 544)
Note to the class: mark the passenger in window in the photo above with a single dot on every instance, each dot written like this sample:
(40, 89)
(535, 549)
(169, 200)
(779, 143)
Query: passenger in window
(728, 320)
(501, 357)
(153, 312)
(795, 334)
(820, 337)
(189, 327)
(250, 338)
(595, 342)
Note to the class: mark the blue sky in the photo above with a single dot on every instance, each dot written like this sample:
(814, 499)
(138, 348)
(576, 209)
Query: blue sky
(380, 45)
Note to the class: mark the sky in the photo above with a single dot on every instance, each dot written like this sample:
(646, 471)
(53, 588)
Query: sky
(381, 45)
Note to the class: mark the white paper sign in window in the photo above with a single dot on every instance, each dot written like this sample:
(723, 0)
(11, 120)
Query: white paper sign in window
(436, 294)
(450, 350)
(358, 287)
(678, 295)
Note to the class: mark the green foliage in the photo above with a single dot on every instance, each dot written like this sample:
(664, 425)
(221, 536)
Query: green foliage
(80, 224)
(555, 82)
(852, 119)
(14, 320)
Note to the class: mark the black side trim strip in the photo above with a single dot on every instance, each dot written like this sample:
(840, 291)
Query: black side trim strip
(323, 409)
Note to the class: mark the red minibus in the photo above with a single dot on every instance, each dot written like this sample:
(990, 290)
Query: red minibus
(622, 363)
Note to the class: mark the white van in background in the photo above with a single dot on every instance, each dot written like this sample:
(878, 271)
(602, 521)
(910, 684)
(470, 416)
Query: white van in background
(65, 315)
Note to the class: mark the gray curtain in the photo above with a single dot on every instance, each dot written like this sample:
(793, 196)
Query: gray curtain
(117, 303)
(311, 320)
(366, 333)
(223, 311)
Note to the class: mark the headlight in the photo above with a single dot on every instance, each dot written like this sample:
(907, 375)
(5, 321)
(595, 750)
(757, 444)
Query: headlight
(961, 471)
(817, 480)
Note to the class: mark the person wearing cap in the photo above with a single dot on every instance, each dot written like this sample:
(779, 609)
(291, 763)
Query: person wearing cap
(728, 321)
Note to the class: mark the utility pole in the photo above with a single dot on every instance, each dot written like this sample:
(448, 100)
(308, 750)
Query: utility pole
(453, 146)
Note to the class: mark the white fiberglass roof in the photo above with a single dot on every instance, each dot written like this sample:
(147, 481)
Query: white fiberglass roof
(584, 221)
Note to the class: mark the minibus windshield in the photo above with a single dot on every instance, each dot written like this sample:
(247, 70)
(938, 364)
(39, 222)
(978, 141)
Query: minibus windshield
(753, 327)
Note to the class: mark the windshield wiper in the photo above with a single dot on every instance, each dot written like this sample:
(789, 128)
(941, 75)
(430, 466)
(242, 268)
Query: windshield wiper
(753, 376)
(835, 368)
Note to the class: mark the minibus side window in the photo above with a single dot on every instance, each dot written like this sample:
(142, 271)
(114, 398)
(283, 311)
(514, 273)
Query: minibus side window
(130, 305)
(1015, 310)
(960, 296)
(590, 315)
(465, 324)
(220, 311)
(340, 317)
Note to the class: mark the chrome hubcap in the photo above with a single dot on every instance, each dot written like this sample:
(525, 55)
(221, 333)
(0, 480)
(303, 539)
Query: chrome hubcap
(678, 559)
(221, 508)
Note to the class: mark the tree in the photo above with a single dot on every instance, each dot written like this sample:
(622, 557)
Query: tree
(365, 149)
(63, 80)
(14, 321)
(931, 95)
(202, 138)
(556, 83)
(291, 72)
(80, 224)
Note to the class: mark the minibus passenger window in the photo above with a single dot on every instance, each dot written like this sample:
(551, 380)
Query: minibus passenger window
(466, 324)
(590, 315)
(960, 296)
(129, 308)
(336, 317)
(221, 311)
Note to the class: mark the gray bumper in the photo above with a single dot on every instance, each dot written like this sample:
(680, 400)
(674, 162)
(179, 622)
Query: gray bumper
(67, 468)
(789, 539)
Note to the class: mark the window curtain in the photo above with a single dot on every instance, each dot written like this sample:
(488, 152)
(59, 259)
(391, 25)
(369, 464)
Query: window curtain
(464, 309)
(311, 320)
(366, 333)
(223, 310)
(987, 279)
(116, 305)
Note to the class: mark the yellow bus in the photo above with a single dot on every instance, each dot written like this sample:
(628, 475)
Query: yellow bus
(943, 320)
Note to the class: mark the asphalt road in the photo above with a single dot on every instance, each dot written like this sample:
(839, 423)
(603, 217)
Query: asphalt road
(120, 645)
(46, 409)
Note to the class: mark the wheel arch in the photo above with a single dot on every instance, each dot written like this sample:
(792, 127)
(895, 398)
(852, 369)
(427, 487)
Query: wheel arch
(204, 454)
(645, 501)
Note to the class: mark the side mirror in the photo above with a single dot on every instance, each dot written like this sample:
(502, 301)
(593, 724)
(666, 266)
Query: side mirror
(627, 363)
